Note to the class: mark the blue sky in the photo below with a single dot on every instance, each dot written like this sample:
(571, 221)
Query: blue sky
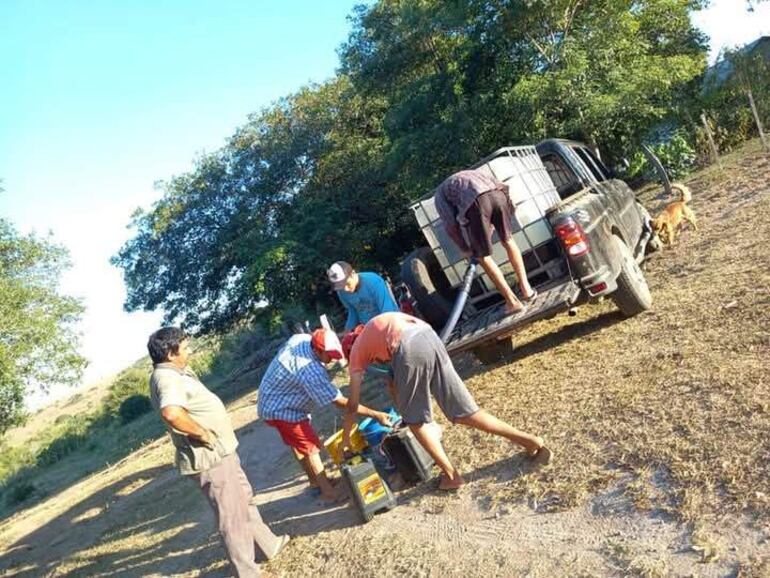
(100, 99)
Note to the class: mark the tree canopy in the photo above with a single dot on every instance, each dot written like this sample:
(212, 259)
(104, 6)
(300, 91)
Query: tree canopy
(38, 345)
(424, 87)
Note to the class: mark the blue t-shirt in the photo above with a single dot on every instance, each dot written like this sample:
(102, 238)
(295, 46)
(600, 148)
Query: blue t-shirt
(371, 298)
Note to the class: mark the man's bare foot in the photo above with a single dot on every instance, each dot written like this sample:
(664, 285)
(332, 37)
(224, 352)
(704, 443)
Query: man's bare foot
(337, 496)
(542, 456)
(512, 308)
(331, 500)
(447, 484)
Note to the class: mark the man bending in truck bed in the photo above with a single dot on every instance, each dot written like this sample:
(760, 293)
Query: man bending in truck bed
(470, 203)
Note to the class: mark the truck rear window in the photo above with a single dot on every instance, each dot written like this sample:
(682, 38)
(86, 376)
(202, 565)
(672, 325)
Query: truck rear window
(596, 166)
(560, 174)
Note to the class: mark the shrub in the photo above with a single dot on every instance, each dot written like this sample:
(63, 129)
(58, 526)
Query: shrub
(133, 407)
(676, 154)
(20, 491)
(201, 363)
(60, 448)
(13, 459)
(62, 418)
(129, 383)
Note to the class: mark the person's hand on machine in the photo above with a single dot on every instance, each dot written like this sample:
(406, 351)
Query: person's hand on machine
(383, 419)
(347, 427)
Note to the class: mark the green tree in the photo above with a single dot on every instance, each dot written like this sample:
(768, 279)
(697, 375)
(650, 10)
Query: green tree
(38, 342)
(424, 87)
(256, 221)
(465, 77)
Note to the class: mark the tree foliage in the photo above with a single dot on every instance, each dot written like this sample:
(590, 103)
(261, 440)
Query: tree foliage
(37, 343)
(424, 87)
(725, 97)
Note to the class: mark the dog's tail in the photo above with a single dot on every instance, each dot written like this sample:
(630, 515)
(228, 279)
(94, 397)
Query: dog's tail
(686, 195)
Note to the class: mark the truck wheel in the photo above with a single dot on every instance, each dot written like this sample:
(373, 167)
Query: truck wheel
(494, 351)
(632, 295)
(423, 275)
(654, 244)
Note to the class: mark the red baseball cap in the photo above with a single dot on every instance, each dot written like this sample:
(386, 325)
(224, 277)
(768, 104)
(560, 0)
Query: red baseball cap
(326, 341)
(350, 339)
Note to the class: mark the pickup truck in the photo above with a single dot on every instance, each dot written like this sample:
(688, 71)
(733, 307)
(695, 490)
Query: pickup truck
(582, 234)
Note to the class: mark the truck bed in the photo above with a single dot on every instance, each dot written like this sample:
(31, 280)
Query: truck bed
(491, 322)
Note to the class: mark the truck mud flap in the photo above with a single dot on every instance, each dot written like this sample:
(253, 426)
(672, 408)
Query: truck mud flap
(493, 323)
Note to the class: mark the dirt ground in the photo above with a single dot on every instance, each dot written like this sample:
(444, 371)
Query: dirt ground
(660, 423)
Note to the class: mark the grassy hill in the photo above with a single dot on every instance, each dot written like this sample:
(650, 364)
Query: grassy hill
(100, 426)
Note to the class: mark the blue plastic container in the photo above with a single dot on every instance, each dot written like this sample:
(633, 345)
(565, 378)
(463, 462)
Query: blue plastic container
(373, 431)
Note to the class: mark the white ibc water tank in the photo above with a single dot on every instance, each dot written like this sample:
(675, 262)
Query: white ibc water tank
(531, 192)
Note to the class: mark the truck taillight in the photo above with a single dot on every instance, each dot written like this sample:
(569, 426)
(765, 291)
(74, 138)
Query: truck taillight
(572, 237)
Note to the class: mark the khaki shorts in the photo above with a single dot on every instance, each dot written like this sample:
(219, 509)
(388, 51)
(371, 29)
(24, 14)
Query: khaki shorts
(421, 368)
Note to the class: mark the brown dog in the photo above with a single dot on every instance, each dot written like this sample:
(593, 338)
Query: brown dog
(673, 216)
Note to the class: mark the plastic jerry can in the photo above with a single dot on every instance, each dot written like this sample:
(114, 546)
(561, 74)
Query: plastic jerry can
(370, 493)
(410, 458)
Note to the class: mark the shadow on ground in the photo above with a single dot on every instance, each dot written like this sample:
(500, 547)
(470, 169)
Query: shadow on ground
(159, 508)
(105, 441)
(468, 369)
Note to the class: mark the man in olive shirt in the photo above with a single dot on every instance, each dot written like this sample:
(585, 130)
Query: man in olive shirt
(202, 433)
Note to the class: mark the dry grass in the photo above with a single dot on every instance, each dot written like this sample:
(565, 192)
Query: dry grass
(667, 413)
(677, 396)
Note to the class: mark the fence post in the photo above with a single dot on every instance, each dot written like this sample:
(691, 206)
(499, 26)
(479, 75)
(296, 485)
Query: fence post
(709, 136)
(757, 120)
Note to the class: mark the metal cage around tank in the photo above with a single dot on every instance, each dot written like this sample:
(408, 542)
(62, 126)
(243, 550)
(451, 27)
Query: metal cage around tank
(532, 193)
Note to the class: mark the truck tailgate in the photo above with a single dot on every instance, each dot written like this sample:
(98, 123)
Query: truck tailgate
(492, 323)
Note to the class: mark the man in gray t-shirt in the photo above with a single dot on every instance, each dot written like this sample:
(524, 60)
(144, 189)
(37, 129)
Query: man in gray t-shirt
(205, 443)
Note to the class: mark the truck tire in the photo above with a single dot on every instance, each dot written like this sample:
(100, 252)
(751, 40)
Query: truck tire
(494, 351)
(654, 244)
(423, 275)
(632, 295)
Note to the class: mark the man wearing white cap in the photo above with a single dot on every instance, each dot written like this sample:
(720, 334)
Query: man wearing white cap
(364, 295)
(294, 385)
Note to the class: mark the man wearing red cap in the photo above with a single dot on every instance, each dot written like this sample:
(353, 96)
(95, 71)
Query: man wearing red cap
(294, 385)
(421, 369)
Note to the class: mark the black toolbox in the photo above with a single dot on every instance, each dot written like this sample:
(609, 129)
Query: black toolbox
(370, 493)
(407, 454)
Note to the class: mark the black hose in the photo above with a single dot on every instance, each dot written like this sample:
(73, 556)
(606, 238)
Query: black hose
(462, 296)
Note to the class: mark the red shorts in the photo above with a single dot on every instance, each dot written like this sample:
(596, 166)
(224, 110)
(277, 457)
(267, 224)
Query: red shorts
(299, 435)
